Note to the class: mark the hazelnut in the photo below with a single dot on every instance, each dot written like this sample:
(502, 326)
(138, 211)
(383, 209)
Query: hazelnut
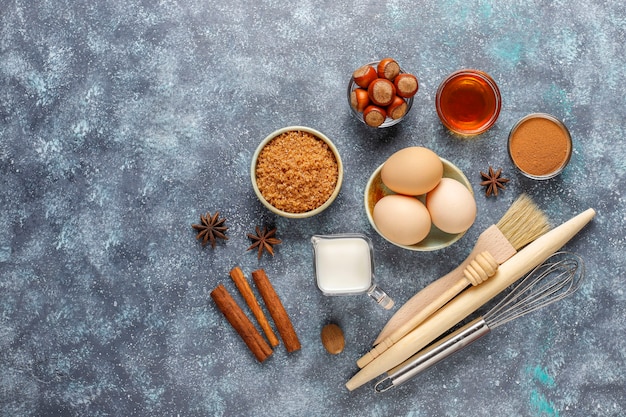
(381, 91)
(397, 108)
(364, 75)
(388, 68)
(359, 99)
(374, 116)
(406, 85)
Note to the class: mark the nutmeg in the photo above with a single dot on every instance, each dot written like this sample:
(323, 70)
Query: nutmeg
(333, 339)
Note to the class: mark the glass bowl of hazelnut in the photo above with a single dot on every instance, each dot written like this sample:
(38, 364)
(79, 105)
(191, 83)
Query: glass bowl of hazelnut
(380, 93)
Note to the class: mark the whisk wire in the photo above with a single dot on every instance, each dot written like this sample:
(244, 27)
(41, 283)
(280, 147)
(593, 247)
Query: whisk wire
(551, 281)
(559, 276)
(556, 278)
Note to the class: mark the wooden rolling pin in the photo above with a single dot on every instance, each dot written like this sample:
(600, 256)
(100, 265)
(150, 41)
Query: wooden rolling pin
(471, 299)
(522, 223)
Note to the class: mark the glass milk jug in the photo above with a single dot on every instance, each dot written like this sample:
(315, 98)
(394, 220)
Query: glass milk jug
(344, 265)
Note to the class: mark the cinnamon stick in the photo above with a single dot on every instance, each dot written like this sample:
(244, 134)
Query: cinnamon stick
(241, 323)
(277, 310)
(246, 292)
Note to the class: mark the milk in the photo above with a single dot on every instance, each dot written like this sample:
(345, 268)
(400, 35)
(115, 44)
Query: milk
(344, 265)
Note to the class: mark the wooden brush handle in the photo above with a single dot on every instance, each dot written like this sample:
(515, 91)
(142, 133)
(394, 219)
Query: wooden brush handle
(432, 297)
(480, 269)
(469, 301)
(477, 271)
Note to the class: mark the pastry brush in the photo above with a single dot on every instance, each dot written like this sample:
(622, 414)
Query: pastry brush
(522, 223)
(473, 298)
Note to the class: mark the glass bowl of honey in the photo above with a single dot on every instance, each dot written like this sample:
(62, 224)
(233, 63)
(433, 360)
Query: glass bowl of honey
(468, 102)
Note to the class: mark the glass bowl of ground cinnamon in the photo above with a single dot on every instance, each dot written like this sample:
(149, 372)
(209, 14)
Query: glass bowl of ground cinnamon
(296, 172)
(540, 146)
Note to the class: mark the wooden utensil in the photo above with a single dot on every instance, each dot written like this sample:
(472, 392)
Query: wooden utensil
(470, 300)
(522, 223)
(558, 277)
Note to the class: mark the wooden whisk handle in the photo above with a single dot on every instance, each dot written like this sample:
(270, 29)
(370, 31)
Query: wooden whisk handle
(481, 268)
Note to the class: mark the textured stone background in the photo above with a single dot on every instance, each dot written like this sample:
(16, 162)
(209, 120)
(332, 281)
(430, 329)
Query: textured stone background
(122, 121)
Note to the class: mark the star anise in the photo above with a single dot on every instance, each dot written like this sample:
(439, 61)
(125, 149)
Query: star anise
(264, 240)
(211, 228)
(493, 180)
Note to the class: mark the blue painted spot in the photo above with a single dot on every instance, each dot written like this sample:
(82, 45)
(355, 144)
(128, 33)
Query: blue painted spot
(541, 405)
(485, 10)
(542, 376)
(5, 253)
(508, 50)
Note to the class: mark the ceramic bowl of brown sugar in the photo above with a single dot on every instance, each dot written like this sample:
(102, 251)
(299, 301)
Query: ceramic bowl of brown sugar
(296, 172)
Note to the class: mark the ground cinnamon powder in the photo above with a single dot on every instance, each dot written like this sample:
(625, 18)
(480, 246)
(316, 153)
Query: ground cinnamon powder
(296, 172)
(540, 146)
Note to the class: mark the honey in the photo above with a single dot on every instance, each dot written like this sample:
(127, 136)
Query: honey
(468, 102)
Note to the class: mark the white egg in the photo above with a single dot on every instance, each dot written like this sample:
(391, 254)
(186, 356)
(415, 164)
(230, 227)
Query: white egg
(451, 206)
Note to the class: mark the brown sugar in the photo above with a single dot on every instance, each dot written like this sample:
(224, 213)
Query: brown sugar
(296, 172)
(540, 146)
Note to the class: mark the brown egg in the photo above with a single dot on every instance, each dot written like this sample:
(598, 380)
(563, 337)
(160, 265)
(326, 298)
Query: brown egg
(412, 171)
(402, 219)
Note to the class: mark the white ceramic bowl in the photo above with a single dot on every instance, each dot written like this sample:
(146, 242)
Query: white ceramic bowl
(312, 212)
(436, 239)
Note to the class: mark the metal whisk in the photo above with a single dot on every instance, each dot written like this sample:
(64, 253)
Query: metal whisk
(559, 276)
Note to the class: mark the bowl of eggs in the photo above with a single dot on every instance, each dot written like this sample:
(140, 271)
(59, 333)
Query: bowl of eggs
(419, 201)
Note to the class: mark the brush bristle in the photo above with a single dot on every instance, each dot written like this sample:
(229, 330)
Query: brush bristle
(523, 222)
